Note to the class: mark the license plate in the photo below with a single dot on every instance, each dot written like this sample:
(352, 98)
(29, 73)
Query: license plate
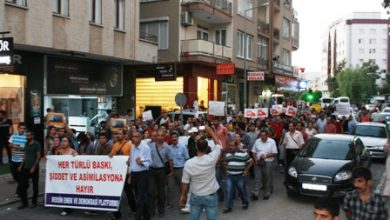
(315, 187)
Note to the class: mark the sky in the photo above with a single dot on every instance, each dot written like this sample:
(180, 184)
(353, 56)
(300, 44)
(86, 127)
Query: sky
(314, 17)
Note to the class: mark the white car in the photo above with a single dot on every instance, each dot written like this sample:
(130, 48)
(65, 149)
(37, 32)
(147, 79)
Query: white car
(374, 137)
(386, 110)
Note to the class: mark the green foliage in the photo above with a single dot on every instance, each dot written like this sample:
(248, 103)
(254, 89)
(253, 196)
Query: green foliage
(358, 83)
(385, 89)
(386, 3)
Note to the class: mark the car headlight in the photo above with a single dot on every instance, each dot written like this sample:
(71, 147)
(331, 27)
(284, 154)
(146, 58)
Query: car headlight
(378, 147)
(343, 175)
(293, 172)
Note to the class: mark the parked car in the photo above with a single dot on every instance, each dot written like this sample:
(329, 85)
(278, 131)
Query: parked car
(374, 136)
(324, 166)
(386, 110)
(174, 116)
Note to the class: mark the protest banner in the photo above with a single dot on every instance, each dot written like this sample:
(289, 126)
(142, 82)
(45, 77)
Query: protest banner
(291, 111)
(262, 112)
(250, 113)
(147, 115)
(85, 182)
(216, 108)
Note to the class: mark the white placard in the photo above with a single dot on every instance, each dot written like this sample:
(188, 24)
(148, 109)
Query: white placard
(291, 111)
(85, 182)
(262, 112)
(250, 113)
(343, 109)
(216, 108)
(146, 116)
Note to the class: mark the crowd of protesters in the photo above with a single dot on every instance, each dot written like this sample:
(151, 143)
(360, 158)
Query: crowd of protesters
(205, 159)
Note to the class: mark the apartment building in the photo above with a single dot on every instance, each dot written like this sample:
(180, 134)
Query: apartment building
(357, 38)
(198, 35)
(70, 56)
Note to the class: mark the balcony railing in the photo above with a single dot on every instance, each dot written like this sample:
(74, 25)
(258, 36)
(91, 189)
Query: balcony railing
(262, 63)
(263, 27)
(206, 48)
(277, 33)
(224, 5)
(282, 68)
(148, 37)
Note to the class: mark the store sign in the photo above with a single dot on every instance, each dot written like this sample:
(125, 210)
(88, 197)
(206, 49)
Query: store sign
(225, 69)
(255, 76)
(75, 77)
(282, 69)
(284, 83)
(6, 51)
(165, 72)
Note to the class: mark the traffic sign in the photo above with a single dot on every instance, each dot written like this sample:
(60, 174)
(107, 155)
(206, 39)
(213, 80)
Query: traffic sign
(181, 99)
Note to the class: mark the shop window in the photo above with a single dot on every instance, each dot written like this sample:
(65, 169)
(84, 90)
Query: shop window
(203, 88)
(12, 96)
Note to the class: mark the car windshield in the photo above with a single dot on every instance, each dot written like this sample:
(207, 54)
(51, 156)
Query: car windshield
(327, 149)
(370, 131)
(386, 110)
(344, 100)
(326, 100)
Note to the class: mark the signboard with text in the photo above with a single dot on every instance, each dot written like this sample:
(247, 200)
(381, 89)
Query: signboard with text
(225, 69)
(255, 76)
(165, 72)
(6, 51)
(85, 182)
(216, 108)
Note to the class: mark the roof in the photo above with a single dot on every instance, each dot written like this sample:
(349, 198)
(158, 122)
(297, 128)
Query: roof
(336, 137)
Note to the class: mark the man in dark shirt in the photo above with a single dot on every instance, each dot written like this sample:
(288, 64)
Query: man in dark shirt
(29, 169)
(5, 132)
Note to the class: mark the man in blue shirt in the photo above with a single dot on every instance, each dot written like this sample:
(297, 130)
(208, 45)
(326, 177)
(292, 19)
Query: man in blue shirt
(179, 155)
(17, 142)
(140, 160)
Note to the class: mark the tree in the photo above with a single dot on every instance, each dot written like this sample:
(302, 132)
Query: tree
(333, 87)
(386, 3)
(385, 89)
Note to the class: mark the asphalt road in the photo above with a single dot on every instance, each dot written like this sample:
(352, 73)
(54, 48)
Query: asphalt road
(278, 207)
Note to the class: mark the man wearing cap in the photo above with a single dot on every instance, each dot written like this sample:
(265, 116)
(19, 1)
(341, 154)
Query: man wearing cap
(191, 141)
(180, 156)
(199, 174)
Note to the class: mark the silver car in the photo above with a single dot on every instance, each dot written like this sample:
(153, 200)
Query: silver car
(374, 137)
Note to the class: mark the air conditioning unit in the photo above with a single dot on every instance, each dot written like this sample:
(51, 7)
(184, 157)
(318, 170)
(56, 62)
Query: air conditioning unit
(186, 18)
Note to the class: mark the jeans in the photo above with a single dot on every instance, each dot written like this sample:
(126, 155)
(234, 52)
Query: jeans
(209, 203)
(219, 174)
(237, 181)
(25, 175)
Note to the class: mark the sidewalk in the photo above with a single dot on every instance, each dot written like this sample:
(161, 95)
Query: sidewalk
(8, 187)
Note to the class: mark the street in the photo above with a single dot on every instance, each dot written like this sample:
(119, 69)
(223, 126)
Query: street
(278, 207)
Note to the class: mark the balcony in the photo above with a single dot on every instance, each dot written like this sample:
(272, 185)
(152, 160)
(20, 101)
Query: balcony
(210, 11)
(282, 69)
(262, 63)
(263, 27)
(276, 33)
(148, 38)
(205, 51)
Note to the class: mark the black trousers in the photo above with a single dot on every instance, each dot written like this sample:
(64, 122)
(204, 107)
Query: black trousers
(5, 144)
(140, 181)
(157, 183)
(128, 189)
(25, 176)
(290, 155)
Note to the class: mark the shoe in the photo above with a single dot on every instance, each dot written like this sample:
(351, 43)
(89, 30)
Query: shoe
(33, 205)
(22, 206)
(64, 213)
(265, 197)
(254, 198)
(227, 210)
(245, 206)
(186, 210)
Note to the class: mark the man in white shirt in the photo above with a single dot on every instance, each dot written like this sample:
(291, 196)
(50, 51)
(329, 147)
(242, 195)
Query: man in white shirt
(293, 142)
(199, 174)
(264, 151)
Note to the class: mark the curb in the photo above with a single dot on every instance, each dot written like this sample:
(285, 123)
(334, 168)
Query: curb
(14, 200)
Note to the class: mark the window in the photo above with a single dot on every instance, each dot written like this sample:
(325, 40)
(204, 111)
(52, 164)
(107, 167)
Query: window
(360, 40)
(159, 29)
(361, 60)
(372, 51)
(384, 51)
(262, 48)
(60, 7)
(244, 45)
(245, 8)
(220, 37)
(286, 28)
(361, 50)
(384, 61)
(361, 31)
(202, 33)
(372, 31)
(18, 2)
(384, 41)
(120, 14)
(285, 57)
(95, 11)
(372, 61)
(372, 41)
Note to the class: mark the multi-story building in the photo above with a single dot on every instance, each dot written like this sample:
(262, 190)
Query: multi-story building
(70, 56)
(357, 38)
(198, 35)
